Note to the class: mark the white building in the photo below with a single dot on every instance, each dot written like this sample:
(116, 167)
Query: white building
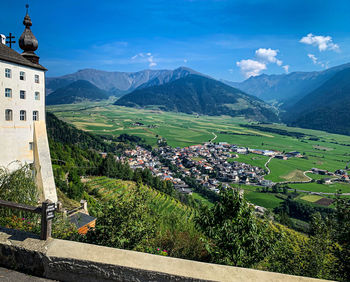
(23, 137)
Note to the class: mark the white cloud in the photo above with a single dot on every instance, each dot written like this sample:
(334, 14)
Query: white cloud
(322, 42)
(268, 56)
(263, 58)
(286, 68)
(151, 62)
(185, 61)
(251, 67)
(313, 58)
(147, 57)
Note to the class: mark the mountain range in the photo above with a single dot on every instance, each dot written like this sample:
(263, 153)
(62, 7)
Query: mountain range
(286, 88)
(201, 95)
(118, 83)
(315, 100)
(325, 108)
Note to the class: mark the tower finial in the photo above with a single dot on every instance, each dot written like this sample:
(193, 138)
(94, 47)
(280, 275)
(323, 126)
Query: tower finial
(27, 42)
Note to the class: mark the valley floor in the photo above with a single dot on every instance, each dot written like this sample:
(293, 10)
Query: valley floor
(321, 150)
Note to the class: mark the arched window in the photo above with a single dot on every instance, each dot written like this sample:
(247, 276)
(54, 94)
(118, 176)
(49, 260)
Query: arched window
(35, 115)
(8, 115)
(23, 115)
(37, 95)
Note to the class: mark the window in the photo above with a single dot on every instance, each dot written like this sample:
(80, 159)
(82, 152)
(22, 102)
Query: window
(22, 115)
(35, 115)
(37, 95)
(22, 94)
(31, 146)
(22, 75)
(8, 115)
(8, 92)
(8, 73)
(36, 77)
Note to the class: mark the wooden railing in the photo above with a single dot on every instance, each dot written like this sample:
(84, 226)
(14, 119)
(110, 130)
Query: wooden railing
(47, 211)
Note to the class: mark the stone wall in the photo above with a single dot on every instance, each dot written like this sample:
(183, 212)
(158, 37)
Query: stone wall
(42, 161)
(72, 261)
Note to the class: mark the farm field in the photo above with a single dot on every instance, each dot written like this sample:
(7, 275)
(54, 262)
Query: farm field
(321, 149)
(252, 159)
(267, 200)
(315, 187)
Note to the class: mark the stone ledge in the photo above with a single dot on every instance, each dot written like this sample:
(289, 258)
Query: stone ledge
(72, 261)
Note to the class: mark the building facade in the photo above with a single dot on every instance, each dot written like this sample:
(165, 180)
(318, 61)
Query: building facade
(23, 137)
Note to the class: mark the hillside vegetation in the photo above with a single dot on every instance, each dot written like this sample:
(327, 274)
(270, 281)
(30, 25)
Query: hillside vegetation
(107, 189)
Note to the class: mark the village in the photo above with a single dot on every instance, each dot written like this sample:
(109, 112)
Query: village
(211, 165)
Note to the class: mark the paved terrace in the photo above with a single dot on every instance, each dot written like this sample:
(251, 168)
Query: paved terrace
(72, 261)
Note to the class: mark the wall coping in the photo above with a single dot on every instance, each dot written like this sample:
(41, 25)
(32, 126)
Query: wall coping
(73, 261)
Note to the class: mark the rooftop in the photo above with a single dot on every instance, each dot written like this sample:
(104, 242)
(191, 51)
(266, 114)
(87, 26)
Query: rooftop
(81, 219)
(10, 55)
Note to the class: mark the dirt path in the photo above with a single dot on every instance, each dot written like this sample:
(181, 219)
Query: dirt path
(268, 170)
(215, 136)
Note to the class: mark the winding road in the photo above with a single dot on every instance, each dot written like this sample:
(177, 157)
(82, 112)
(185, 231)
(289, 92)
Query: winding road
(215, 136)
(268, 170)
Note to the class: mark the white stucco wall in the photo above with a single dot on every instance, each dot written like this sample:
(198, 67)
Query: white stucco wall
(16, 135)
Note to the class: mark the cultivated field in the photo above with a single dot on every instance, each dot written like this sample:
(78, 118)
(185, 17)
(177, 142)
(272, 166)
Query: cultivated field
(321, 149)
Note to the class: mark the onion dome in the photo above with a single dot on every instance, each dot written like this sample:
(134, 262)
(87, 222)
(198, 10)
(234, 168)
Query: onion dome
(27, 42)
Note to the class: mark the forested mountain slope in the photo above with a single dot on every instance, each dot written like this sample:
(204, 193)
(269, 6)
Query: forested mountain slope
(201, 95)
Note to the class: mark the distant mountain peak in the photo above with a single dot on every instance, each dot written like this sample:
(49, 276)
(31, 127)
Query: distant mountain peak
(118, 83)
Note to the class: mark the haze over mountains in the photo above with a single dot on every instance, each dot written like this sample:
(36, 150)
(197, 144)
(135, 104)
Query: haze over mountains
(307, 99)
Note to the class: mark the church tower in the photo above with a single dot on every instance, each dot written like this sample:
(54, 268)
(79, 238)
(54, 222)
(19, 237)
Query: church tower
(23, 136)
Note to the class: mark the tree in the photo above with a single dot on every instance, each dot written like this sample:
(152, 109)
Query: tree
(18, 186)
(341, 234)
(237, 236)
(125, 223)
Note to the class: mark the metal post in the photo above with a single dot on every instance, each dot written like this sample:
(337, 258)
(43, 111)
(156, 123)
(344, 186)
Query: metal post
(46, 221)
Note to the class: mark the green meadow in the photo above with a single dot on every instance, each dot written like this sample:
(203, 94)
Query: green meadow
(320, 149)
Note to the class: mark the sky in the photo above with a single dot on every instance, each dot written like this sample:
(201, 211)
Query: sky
(226, 39)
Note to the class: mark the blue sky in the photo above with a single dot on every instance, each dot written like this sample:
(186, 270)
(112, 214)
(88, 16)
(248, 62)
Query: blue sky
(229, 39)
